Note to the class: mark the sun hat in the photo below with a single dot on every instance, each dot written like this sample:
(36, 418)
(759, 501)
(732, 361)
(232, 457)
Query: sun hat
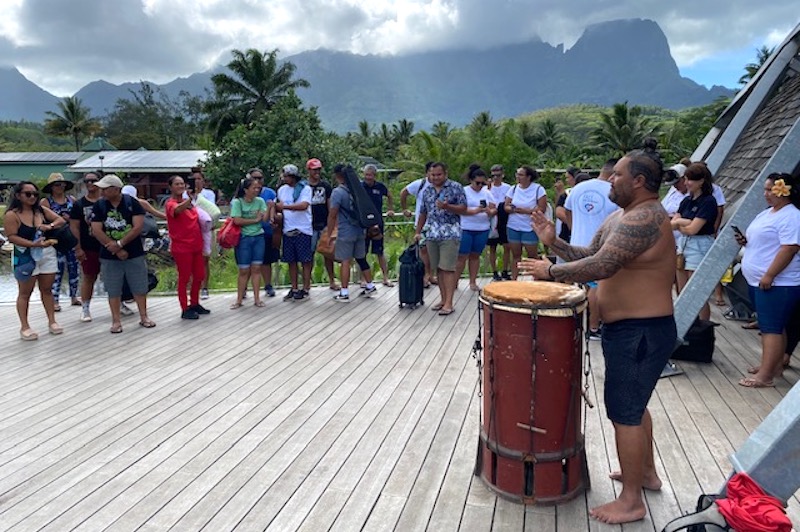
(56, 178)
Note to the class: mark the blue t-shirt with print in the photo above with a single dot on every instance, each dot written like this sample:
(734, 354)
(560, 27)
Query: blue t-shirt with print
(442, 224)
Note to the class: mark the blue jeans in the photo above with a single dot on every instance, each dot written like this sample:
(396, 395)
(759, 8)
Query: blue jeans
(250, 251)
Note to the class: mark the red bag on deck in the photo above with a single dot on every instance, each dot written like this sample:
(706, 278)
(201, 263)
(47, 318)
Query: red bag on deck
(229, 234)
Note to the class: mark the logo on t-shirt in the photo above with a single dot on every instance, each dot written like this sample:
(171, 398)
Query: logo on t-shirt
(592, 202)
(317, 195)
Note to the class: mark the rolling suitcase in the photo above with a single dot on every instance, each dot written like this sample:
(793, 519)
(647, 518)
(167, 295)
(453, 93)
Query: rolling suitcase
(412, 272)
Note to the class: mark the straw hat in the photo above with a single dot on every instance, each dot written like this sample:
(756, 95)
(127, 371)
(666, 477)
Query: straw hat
(54, 178)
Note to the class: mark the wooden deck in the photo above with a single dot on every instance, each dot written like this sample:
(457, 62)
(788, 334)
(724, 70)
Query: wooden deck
(313, 416)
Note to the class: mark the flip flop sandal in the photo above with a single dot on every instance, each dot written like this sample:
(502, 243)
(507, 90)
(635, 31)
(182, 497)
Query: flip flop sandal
(55, 328)
(444, 312)
(437, 307)
(234, 306)
(750, 326)
(116, 328)
(260, 304)
(147, 324)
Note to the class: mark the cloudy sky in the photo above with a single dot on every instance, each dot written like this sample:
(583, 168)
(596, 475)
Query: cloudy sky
(63, 44)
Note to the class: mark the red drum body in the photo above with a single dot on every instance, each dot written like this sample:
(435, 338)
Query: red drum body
(531, 444)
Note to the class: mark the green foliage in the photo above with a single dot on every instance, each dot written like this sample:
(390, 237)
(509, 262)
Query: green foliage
(762, 54)
(622, 129)
(152, 120)
(288, 133)
(258, 82)
(73, 120)
(30, 136)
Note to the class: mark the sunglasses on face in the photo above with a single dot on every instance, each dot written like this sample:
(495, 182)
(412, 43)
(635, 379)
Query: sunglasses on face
(30, 194)
(479, 183)
(90, 181)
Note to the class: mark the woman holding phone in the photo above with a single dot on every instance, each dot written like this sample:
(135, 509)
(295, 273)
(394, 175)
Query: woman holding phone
(475, 223)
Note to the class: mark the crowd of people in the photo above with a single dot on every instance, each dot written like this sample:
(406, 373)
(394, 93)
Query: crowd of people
(612, 234)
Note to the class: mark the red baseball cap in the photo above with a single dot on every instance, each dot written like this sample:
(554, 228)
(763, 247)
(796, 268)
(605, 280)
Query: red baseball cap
(313, 164)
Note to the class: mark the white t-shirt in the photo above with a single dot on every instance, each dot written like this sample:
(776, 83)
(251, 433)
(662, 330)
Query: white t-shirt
(476, 222)
(300, 220)
(590, 206)
(765, 235)
(671, 202)
(498, 193)
(718, 195)
(415, 188)
(523, 198)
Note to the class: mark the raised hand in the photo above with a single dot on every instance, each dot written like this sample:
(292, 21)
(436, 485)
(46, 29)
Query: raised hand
(544, 228)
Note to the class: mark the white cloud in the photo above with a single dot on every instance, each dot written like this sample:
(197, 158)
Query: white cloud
(64, 45)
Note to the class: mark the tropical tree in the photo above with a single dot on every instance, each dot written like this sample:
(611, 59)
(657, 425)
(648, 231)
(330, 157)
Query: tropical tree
(288, 133)
(622, 129)
(547, 137)
(256, 84)
(402, 131)
(762, 54)
(73, 119)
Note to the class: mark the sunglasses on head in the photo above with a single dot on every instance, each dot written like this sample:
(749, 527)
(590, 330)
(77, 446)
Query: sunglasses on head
(30, 194)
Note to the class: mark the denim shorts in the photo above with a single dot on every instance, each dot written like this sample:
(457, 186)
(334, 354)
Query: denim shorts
(522, 237)
(635, 351)
(774, 307)
(694, 249)
(249, 251)
(473, 241)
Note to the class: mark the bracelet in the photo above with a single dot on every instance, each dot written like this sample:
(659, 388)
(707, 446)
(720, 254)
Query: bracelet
(550, 272)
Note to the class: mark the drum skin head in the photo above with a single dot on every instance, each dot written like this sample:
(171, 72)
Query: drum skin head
(534, 293)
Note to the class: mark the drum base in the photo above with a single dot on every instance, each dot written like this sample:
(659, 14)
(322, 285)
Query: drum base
(544, 479)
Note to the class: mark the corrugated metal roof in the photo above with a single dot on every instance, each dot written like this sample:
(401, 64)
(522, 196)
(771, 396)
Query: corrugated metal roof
(67, 157)
(142, 161)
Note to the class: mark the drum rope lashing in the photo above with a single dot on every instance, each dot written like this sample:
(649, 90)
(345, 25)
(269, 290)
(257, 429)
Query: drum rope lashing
(534, 348)
(587, 367)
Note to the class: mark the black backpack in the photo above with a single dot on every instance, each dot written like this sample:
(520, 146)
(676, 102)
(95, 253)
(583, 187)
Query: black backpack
(364, 212)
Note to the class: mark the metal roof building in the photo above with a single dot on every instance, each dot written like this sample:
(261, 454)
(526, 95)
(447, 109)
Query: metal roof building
(35, 166)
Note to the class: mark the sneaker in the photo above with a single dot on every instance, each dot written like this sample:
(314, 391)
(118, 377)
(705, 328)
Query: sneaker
(199, 309)
(86, 315)
(189, 314)
(369, 292)
(269, 291)
(300, 295)
(204, 293)
(342, 298)
(595, 334)
(125, 310)
(496, 277)
(506, 275)
(289, 296)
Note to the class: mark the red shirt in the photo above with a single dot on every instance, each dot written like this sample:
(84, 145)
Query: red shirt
(184, 228)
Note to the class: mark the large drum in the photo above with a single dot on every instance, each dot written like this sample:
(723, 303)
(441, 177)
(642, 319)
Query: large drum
(531, 447)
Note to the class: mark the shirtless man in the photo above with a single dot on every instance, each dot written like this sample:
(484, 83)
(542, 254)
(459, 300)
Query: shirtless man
(633, 253)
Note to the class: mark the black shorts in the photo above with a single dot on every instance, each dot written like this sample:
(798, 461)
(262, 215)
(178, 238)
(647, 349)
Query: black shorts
(636, 352)
(271, 254)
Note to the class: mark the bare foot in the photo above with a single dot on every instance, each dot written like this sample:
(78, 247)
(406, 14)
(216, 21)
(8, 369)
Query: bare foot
(616, 512)
(650, 482)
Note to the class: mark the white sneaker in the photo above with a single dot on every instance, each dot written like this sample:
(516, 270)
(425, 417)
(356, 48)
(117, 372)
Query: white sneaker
(86, 315)
(204, 293)
(369, 292)
(125, 310)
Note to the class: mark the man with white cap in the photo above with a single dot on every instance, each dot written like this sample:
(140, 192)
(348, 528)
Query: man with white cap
(117, 224)
(294, 202)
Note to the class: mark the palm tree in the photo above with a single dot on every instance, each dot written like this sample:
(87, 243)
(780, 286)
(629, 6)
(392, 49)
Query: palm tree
(257, 83)
(547, 137)
(402, 131)
(622, 129)
(72, 120)
(442, 130)
(762, 54)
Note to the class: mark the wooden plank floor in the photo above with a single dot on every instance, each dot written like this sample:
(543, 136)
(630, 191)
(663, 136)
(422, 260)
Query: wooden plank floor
(313, 416)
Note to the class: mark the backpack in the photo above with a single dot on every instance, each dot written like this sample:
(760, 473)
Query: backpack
(364, 212)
